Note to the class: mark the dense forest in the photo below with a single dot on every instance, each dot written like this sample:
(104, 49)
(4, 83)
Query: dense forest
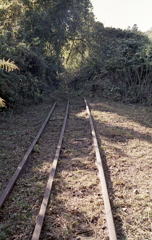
(56, 45)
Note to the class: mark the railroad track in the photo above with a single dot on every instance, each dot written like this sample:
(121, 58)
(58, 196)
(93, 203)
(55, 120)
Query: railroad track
(60, 153)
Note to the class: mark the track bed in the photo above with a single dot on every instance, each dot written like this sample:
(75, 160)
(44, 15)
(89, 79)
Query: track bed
(76, 208)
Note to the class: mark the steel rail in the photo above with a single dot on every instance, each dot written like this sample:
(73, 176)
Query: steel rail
(23, 161)
(108, 211)
(41, 215)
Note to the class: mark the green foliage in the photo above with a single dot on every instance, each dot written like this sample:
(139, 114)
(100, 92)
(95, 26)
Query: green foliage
(125, 58)
(50, 40)
(149, 34)
(35, 34)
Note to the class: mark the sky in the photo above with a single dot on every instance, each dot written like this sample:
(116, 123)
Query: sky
(124, 13)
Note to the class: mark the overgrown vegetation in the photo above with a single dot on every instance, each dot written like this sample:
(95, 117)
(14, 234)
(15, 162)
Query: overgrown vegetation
(33, 35)
(50, 40)
(118, 65)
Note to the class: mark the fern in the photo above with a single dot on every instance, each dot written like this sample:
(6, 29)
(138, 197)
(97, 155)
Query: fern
(2, 103)
(7, 65)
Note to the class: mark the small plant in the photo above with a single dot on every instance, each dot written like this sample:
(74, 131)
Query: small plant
(36, 148)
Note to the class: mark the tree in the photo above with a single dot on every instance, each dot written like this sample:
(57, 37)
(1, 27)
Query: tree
(135, 28)
(35, 35)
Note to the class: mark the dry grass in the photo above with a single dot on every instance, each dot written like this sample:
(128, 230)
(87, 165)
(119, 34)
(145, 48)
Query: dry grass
(76, 209)
(125, 137)
(20, 211)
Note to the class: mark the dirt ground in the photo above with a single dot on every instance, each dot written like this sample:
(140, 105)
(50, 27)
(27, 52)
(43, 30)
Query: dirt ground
(76, 209)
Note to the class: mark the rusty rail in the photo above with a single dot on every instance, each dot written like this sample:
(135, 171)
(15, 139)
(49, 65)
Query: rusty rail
(108, 211)
(23, 161)
(41, 215)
